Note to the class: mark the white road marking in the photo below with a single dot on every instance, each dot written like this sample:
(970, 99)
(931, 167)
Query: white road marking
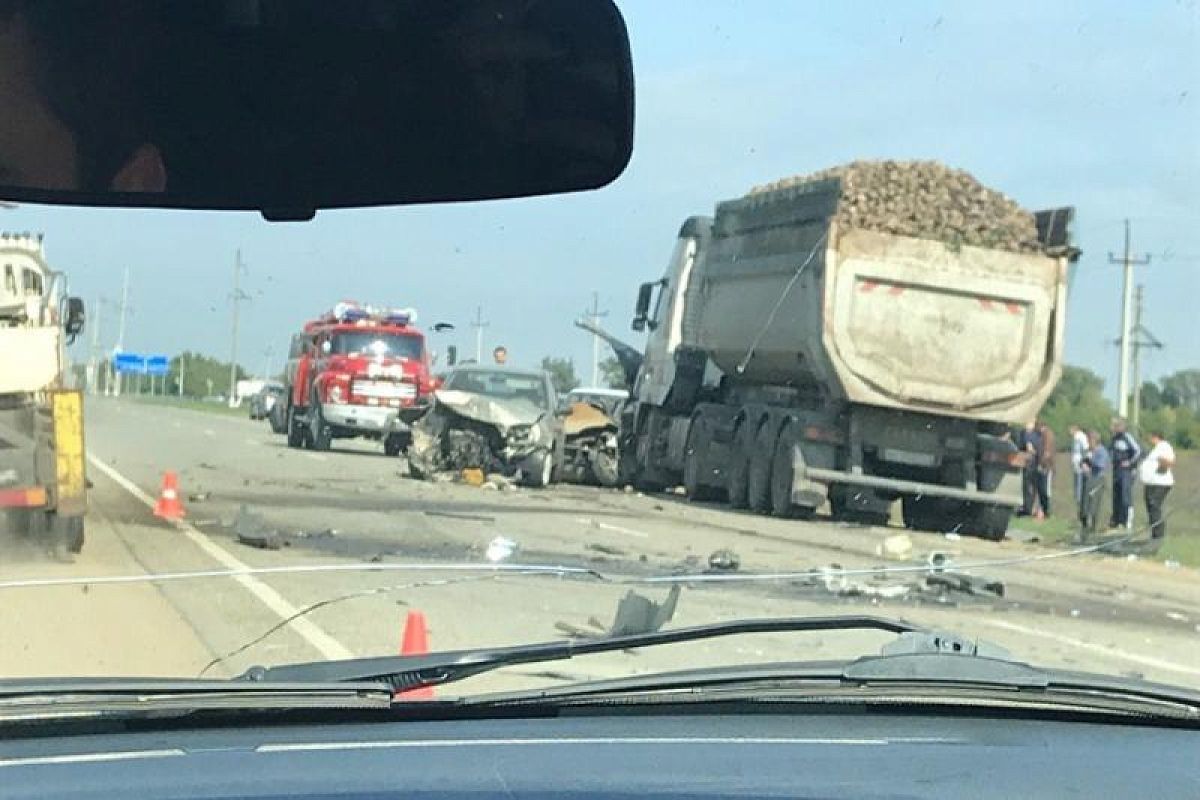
(1146, 661)
(89, 758)
(607, 526)
(324, 644)
(629, 740)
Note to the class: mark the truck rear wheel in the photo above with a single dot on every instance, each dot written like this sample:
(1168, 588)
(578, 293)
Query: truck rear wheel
(739, 466)
(760, 457)
(693, 463)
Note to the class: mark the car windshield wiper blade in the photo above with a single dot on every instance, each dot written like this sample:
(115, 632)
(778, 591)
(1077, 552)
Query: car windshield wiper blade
(410, 672)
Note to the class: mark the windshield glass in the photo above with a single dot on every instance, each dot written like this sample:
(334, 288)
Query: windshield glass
(921, 345)
(500, 384)
(390, 345)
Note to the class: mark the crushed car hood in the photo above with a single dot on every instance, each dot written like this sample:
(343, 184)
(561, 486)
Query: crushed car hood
(585, 417)
(503, 414)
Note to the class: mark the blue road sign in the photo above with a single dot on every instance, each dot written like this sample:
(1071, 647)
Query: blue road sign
(157, 365)
(129, 363)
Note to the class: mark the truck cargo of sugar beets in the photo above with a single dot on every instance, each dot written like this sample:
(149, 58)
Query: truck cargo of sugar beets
(806, 348)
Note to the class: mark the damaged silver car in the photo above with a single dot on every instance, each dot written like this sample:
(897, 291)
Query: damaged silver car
(492, 419)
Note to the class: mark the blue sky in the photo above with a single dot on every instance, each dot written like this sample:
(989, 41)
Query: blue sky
(1091, 104)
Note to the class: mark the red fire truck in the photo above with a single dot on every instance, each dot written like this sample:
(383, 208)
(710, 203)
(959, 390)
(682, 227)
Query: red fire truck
(357, 371)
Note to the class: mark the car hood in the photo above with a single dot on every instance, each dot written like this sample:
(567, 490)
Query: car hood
(503, 413)
(585, 417)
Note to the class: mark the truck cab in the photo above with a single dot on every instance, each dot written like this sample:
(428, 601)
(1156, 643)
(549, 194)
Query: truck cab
(357, 371)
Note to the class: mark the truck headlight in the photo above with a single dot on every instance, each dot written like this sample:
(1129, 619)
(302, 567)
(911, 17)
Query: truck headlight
(335, 393)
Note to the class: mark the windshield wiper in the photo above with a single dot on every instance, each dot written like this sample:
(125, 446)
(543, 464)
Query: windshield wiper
(409, 672)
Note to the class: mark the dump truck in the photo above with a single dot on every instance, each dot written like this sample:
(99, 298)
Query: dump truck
(43, 483)
(796, 362)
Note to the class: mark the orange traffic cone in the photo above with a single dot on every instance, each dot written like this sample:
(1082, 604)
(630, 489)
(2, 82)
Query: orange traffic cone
(169, 506)
(415, 643)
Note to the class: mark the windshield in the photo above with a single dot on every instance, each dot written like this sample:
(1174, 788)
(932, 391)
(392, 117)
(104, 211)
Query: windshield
(500, 384)
(922, 346)
(389, 345)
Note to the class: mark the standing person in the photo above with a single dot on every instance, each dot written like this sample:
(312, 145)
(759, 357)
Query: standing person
(1045, 473)
(1125, 454)
(1158, 479)
(1095, 463)
(1079, 450)
(1027, 443)
(500, 355)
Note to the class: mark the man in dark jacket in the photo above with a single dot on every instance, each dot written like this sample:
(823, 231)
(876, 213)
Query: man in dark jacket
(1045, 471)
(1125, 454)
(1029, 443)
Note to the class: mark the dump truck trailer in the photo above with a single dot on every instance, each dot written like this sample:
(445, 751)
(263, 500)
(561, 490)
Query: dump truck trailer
(43, 483)
(793, 361)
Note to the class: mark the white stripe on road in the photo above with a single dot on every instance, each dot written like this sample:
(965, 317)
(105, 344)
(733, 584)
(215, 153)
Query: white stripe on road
(324, 644)
(1071, 641)
(606, 526)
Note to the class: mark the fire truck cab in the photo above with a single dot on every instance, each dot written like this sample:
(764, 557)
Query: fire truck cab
(357, 371)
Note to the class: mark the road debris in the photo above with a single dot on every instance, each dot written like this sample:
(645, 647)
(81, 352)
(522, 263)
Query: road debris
(459, 515)
(472, 476)
(897, 547)
(500, 549)
(724, 560)
(1176, 616)
(939, 561)
(198, 497)
(639, 614)
(252, 530)
(951, 536)
(607, 549)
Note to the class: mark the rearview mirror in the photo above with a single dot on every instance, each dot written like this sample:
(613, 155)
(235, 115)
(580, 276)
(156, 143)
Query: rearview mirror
(642, 310)
(76, 316)
(291, 106)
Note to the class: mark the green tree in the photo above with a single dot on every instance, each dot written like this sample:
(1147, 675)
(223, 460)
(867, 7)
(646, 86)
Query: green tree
(202, 375)
(562, 373)
(1077, 399)
(1182, 389)
(612, 374)
(1152, 396)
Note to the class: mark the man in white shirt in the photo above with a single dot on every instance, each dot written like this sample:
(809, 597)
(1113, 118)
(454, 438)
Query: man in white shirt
(1079, 451)
(1158, 479)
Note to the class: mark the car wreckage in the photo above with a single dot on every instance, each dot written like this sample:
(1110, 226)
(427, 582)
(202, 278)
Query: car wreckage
(590, 436)
(494, 420)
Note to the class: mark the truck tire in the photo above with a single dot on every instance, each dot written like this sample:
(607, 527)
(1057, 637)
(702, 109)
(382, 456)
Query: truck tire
(694, 466)
(394, 444)
(760, 458)
(737, 483)
(296, 433)
(986, 522)
(320, 437)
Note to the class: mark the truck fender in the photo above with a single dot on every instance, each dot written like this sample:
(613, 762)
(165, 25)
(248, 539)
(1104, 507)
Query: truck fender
(802, 492)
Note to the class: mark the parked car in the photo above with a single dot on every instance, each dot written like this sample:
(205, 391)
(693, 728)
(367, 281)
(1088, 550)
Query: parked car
(496, 419)
(263, 402)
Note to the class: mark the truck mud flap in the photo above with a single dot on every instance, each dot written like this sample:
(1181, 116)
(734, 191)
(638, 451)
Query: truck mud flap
(70, 490)
(833, 476)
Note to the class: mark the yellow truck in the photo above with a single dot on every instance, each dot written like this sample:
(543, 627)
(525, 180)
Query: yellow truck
(43, 481)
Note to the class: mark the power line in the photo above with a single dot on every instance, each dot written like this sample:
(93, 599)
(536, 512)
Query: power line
(237, 296)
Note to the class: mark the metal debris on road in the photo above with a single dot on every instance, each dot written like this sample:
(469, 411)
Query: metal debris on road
(639, 614)
(472, 477)
(198, 497)
(951, 536)
(252, 530)
(607, 549)
(724, 560)
(460, 515)
(939, 561)
(500, 549)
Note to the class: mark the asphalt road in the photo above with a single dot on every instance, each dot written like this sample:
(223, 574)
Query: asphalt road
(387, 536)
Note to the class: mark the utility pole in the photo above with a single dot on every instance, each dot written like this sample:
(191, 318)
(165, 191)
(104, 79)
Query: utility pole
(237, 297)
(182, 368)
(1142, 340)
(267, 362)
(479, 324)
(595, 314)
(95, 360)
(120, 348)
(1126, 321)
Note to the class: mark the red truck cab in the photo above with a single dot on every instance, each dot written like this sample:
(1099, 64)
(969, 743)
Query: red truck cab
(357, 371)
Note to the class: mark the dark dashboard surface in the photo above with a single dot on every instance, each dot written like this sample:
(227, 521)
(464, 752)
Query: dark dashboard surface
(773, 755)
